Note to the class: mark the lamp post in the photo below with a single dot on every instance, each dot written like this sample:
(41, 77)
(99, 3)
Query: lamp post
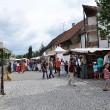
(2, 72)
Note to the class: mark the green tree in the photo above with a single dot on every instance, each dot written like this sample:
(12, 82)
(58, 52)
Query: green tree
(41, 50)
(103, 17)
(30, 52)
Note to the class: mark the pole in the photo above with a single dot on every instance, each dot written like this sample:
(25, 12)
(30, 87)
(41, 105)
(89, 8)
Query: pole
(2, 74)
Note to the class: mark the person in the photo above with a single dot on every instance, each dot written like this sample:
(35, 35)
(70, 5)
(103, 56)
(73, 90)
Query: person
(106, 58)
(44, 69)
(51, 69)
(95, 68)
(22, 66)
(100, 66)
(71, 72)
(66, 67)
(9, 71)
(62, 67)
(18, 67)
(84, 67)
(106, 76)
(58, 64)
(78, 64)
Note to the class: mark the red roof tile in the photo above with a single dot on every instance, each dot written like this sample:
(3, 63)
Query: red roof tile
(69, 33)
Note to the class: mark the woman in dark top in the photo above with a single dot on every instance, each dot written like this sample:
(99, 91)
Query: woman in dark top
(71, 72)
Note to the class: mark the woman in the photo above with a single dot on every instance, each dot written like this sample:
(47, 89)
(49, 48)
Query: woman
(84, 67)
(106, 77)
(71, 73)
(62, 67)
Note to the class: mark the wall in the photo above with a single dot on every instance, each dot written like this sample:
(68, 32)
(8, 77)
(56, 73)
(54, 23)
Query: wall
(92, 36)
(83, 40)
(92, 20)
(103, 43)
(78, 45)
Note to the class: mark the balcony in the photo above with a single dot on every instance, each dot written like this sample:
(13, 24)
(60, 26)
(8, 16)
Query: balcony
(92, 43)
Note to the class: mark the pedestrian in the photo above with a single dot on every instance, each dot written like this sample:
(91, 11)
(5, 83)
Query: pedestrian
(62, 67)
(58, 64)
(78, 64)
(66, 67)
(23, 66)
(95, 68)
(9, 71)
(71, 72)
(100, 66)
(18, 67)
(51, 69)
(106, 77)
(84, 74)
(44, 69)
(106, 58)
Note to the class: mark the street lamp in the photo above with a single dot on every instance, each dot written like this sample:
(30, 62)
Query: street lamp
(2, 72)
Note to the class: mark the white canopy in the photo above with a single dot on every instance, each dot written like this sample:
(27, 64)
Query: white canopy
(59, 49)
(86, 50)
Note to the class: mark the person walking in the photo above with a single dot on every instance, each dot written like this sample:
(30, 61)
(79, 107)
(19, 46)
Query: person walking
(51, 69)
(71, 72)
(58, 64)
(106, 76)
(44, 69)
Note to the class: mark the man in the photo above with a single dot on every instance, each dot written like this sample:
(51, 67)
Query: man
(58, 64)
(51, 68)
(44, 69)
(107, 58)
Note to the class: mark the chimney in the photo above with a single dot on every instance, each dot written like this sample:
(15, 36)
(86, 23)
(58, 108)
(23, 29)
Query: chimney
(73, 24)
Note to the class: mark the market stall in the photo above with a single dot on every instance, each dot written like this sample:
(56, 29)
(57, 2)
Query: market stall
(91, 54)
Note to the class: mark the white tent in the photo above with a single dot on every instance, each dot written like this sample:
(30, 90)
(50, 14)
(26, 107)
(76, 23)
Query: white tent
(59, 49)
(86, 50)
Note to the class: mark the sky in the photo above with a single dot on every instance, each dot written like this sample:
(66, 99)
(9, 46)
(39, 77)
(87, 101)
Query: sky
(25, 23)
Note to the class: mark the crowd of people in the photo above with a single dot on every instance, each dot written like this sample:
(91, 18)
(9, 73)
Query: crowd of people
(77, 66)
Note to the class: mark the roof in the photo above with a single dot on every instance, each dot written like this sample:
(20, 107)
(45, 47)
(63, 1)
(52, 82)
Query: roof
(90, 10)
(69, 33)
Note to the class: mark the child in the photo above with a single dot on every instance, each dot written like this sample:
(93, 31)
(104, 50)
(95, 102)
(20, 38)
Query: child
(95, 68)
(106, 77)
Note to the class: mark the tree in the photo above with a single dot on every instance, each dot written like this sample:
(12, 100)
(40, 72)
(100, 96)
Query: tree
(103, 17)
(41, 50)
(30, 52)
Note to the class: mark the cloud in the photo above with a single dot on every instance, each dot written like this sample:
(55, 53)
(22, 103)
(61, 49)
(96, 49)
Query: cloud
(32, 22)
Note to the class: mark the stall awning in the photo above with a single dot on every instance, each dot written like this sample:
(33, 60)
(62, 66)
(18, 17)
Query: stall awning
(86, 50)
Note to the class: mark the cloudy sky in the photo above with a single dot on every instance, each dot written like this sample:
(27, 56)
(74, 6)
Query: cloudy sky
(32, 22)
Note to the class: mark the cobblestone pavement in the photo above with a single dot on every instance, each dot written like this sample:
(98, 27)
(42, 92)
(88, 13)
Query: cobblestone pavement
(34, 93)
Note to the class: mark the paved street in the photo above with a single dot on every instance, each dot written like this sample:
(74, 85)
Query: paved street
(29, 91)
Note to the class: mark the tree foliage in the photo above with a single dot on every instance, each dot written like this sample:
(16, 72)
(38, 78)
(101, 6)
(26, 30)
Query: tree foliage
(30, 52)
(41, 50)
(103, 17)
